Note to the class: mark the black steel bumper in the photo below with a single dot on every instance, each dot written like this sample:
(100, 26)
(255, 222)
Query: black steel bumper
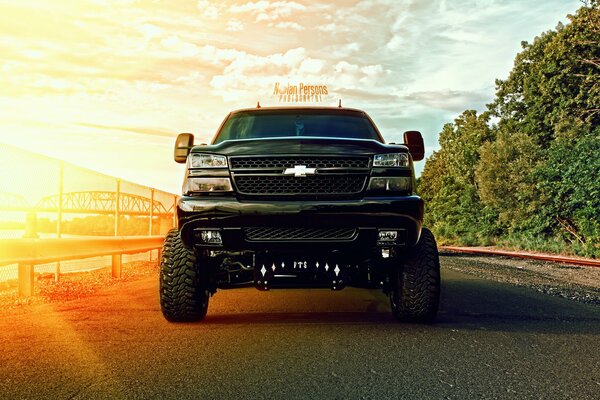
(231, 216)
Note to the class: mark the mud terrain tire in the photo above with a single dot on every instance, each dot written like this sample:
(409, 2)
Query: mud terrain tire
(415, 282)
(183, 285)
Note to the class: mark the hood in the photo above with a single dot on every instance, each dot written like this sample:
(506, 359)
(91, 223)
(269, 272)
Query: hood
(297, 145)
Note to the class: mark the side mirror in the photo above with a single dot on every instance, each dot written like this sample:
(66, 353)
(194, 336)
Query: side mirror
(414, 141)
(183, 145)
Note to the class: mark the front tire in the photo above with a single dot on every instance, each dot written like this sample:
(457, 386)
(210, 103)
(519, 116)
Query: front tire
(415, 283)
(184, 290)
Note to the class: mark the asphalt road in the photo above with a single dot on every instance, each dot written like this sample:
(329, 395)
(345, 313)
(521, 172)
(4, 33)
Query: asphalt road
(491, 341)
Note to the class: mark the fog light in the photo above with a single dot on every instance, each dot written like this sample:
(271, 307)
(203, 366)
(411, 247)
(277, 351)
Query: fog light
(388, 236)
(390, 184)
(211, 237)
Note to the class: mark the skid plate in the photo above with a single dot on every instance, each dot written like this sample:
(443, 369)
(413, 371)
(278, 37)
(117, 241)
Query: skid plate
(274, 272)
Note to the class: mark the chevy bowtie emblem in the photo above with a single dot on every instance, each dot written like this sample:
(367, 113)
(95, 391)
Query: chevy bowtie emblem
(299, 171)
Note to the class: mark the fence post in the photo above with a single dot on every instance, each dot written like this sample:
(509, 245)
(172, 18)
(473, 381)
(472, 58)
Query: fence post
(151, 219)
(31, 226)
(57, 272)
(26, 271)
(116, 265)
(61, 173)
(25, 280)
(117, 198)
(151, 212)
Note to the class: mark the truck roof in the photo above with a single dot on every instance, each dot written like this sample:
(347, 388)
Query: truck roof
(301, 108)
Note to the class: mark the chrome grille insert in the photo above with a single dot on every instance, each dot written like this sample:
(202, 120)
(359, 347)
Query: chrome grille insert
(269, 162)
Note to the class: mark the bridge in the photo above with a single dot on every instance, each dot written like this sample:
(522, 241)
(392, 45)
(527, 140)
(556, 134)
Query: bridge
(88, 202)
(13, 202)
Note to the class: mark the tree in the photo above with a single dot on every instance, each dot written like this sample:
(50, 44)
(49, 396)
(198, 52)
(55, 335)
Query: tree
(554, 83)
(569, 184)
(505, 180)
(537, 169)
(447, 184)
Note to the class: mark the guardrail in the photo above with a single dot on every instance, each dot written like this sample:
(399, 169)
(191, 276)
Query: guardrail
(29, 252)
(533, 256)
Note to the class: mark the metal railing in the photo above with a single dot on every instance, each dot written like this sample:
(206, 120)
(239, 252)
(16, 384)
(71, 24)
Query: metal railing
(29, 252)
(53, 213)
(51, 196)
(524, 254)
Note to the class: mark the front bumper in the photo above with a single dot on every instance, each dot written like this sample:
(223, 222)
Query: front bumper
(368, 215)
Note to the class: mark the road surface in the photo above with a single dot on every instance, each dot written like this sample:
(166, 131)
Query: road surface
(491, 341)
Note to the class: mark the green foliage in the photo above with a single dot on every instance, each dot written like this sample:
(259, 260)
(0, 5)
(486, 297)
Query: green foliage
(569, 182)
(534, 177)
(461, 142)
(554, 81)
(505, 180)
(454, 209)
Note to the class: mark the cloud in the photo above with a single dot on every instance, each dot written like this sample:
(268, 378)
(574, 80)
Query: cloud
(311, 66)
(179, 47)
(129, 129)
(207, 9)
(368, 94)
(217, 55)
(288, 25)
(267, 10)
(248, 73)
(33, 54)
(354, 75)
(234, 25)
(110, 3)
(449, 100)
(329, 28)
(409, 63)
(150, 31)
(344, 51)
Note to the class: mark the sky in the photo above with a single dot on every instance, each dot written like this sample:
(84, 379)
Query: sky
(108, 84)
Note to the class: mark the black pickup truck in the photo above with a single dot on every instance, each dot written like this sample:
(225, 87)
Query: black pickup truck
(299, 197)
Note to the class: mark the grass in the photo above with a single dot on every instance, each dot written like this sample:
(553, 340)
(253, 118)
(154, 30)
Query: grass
(557, 246)
(522, 242)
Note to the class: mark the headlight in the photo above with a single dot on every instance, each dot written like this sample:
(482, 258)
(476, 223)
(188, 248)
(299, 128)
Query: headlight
(206, 185)
(391, 184)
(200, 160)
(391, 160)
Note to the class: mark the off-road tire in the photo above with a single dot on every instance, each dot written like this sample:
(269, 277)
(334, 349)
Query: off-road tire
(184, 290)
(415, 282)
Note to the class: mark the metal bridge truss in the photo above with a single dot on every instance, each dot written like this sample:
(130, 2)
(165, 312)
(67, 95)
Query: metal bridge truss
(13, 202)
(90, 202)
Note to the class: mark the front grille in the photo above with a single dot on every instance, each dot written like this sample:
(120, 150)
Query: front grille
(335, 184)
(278, 233)
(291, 161)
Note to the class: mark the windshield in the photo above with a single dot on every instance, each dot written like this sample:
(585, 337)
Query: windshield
(287, 123)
